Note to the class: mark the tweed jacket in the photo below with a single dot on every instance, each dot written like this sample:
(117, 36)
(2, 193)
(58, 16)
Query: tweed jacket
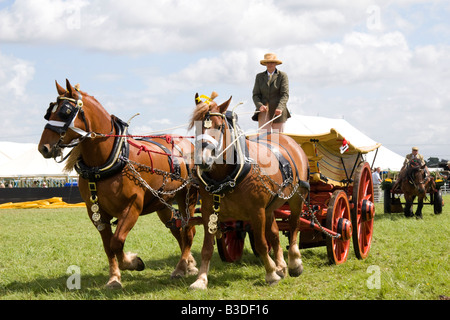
(275, 94)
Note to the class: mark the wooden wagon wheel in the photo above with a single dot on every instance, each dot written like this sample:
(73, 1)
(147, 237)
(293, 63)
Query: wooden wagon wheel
(231, 245)
(338, 219)
(363, 210)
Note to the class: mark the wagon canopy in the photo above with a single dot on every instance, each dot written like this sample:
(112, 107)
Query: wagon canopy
(332, 158)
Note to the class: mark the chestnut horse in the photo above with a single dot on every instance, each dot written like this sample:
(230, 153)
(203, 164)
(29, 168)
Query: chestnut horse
(121, 177)
(415, 184)
(240, 179)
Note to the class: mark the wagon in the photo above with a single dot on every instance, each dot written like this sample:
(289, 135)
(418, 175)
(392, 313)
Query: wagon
(394, 204)
(340, 207)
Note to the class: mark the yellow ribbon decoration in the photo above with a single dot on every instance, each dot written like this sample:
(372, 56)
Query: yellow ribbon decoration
(207, 99)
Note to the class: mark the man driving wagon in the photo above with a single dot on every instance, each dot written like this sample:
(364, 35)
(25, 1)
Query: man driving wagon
(414, 156)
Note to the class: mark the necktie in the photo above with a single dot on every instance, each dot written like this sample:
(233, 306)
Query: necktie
(270, 78)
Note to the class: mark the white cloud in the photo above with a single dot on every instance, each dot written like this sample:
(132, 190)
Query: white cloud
(15, 103)
(338, 63)
(161, 26)
(14, 75)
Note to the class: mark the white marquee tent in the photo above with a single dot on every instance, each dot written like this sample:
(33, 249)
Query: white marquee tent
(307, 125)
(24, 160)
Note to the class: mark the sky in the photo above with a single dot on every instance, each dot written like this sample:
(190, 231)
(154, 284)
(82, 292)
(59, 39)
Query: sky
(382, 65)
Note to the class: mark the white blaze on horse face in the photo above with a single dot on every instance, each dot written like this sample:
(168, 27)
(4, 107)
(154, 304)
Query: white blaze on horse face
(214, 143)
(207, 144)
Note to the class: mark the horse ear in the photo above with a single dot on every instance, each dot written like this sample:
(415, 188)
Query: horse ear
(197, 100)
(69, 87)
(224, 106)
(60, 89)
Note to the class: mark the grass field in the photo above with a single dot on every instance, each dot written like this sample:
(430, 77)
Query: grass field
(409, 257)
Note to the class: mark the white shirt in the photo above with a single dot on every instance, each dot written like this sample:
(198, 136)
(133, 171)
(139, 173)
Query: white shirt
(376, 177)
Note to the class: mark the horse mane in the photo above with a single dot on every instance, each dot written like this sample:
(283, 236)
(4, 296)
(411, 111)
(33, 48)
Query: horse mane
(199, 113)
(72, 159)
(202, 107)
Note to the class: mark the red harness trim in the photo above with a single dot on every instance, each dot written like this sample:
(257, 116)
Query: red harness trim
(169, 139)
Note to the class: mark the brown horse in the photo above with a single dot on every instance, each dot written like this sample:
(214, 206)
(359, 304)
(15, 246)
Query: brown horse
(415, 184)
(121, 177)
(240, 179)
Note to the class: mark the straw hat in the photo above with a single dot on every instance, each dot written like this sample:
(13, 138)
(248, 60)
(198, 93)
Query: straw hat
(415, 149)
(270, 57)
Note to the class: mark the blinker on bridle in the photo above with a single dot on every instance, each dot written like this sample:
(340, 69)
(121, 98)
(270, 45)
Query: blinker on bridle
(67, 112)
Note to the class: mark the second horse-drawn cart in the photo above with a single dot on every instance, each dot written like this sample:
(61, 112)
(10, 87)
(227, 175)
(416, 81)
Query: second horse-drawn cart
(340, 206)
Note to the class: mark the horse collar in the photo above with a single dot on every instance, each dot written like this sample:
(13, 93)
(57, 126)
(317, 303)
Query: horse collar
(115, 162)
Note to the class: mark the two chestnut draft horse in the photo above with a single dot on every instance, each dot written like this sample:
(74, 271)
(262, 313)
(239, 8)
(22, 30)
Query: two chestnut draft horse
(121, 177)
(415, 184)
(241, 179)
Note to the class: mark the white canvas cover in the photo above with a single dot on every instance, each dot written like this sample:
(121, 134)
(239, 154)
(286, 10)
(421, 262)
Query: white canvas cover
(309, 125)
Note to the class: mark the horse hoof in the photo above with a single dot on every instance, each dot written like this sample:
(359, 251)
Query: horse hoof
(192, 271)
(113, 285)
(281, 273)
(419, 217)
(296, 271)
(177, 274)
(140, 264)
(272, 278)
(198, 285)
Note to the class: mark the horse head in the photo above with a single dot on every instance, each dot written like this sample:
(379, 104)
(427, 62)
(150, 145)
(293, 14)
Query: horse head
(69, 120)
(415, 172)
(210, 130)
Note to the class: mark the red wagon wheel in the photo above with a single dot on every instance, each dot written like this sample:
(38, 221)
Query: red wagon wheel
(338, 220)
(363, 211)
(231, 245)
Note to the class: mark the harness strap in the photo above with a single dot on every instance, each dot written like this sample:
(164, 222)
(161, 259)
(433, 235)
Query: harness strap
(173, 159)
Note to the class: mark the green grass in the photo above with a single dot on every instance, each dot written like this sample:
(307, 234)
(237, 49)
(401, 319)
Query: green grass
(37, 247)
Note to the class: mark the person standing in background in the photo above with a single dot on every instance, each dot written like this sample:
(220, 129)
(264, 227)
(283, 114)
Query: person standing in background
(376, 178)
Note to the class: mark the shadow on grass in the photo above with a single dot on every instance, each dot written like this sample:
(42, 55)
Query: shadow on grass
(153, 281)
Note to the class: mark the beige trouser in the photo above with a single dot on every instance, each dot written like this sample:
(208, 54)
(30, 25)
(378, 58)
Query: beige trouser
(263, 118)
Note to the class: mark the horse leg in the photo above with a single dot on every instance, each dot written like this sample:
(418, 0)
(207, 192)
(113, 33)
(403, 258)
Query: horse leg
(114, 271)
(106, 235)
(295, 263)
(419, 207)
(188, 232)
(408, 206)
(201, 283)
(185, 237)
(127, 261)
(258, 223)
(273, 237)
